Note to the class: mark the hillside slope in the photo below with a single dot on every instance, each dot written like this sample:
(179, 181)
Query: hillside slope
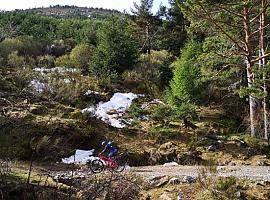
(73, 12)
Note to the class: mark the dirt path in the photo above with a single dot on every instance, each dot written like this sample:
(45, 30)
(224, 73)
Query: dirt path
(255, 173)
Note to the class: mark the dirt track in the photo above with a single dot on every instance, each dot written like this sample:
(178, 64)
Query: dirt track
(255, 173)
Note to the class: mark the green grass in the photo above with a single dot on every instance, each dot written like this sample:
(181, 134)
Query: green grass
(21, 176)
(161, 131)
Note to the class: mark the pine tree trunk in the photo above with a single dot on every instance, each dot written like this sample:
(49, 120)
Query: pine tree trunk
(263, 62)
(250, 76)
(252, 102)
(266, 136)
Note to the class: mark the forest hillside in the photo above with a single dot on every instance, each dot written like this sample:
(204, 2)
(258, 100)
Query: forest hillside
(187, 86)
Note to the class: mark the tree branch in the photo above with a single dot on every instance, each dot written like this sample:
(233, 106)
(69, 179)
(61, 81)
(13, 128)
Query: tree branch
(230, 11)
(222, 30)
(262, 11)
(257, 31)
(259, 58)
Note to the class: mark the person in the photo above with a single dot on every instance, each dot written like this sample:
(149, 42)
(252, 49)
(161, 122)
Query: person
(107, 146)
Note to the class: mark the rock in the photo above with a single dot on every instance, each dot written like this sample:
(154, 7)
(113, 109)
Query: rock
(241, 143)
(238, 194)
(215, 146)
(174, 181)
(262, 163)
(165, 196)
(180, 196)
(260, 183)
(212, 148)
(145, 117)
(159, 181)
(170, 164)
(189, 179)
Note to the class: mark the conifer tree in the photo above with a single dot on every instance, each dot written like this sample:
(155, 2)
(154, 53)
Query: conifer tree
(239, 22)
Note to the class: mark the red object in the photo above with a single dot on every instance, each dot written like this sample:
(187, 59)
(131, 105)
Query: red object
(108, 161)
(104, 158)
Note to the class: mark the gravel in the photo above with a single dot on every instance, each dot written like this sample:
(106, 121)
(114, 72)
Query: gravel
(254, 173)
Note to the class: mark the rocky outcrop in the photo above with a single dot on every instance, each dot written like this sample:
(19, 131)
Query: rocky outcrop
(171, 152)
(167, 152)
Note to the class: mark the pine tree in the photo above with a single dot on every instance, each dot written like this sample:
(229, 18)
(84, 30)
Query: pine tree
(239, 22)
(186, 79)
(146, 22)
(117, 48)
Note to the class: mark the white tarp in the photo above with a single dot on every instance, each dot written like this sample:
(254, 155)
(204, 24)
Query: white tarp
(111, 111)
(81, 157)
(170, 164)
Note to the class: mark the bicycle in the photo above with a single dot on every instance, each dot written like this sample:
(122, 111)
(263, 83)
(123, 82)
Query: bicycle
(102, 163)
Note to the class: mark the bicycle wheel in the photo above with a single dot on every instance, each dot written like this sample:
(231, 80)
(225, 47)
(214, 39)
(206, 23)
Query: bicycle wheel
(97, 166)
(120, 165)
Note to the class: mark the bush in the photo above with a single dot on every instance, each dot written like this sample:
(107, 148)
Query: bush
(219, 187)
(165, 113)
(63, 61)
(185, 110)
(20, 51)
(80, 56)
(135, 111)
(112, 186)
(106, 78)
(252, 141)
(24, 45)
(68, 89)
(152, 71)
(46, 61)
(162, 113)
(225, 183)
(14, 60)
(21, 77)
(62, 47)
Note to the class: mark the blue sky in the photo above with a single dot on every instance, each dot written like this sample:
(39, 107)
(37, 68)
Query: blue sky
(111, 4)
